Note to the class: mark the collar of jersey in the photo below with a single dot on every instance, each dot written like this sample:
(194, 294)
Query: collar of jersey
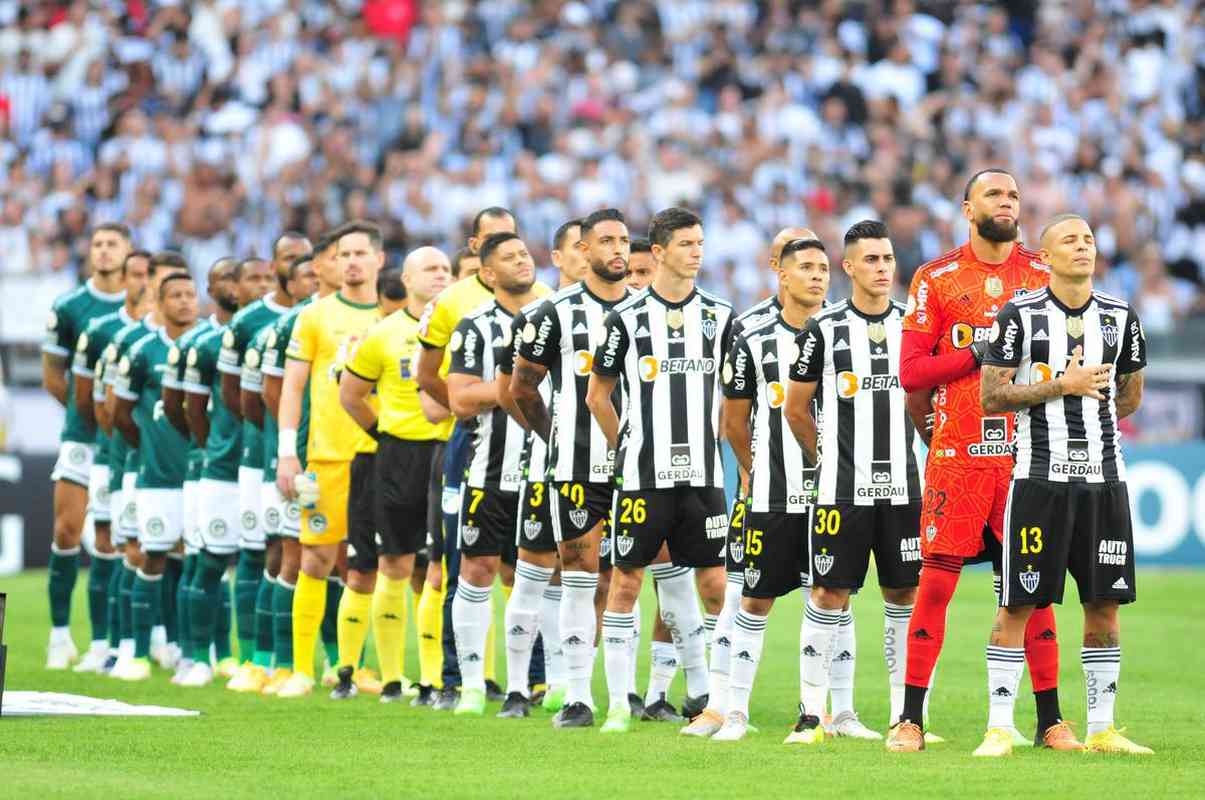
(783, 322)
(477, 277)
(869, 317)
(1066, 309)
(353, 304)
(124, 316)
(608, 303)
(270, 302)
(406, 311)
(679, 304)
(99, 295)
(168, 340)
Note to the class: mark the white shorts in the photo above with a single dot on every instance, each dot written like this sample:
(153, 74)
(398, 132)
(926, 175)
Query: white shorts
(192, 526)
(160, 519)
(74, 463)
(218, 502)
(250, 500)
(99, 499)
(290, 519)
(127, 521)
(273, 507)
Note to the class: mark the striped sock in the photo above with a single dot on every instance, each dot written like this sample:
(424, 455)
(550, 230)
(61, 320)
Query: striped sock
(663, 665)
(895, 653)
(721, 644)
(1102, 666)
(617, 650)
(1004, 668)
(550, 631)
(523, 621)
(748, 637)
(817, 637)
(470, 624)
(845, 654)
(680, 609)
(578, 625)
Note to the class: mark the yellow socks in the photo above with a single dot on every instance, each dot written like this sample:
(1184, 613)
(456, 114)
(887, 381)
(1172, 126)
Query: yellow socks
(389, 615)
(354, 611)
(430, 624)
(309, 605)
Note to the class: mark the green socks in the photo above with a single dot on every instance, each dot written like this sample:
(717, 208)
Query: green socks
(184, 606)
(247, 577)
(100, 577)
(146, 606)
(264, 621)
(169, 587)
(206, 603)
(64, 569)
(282, 623)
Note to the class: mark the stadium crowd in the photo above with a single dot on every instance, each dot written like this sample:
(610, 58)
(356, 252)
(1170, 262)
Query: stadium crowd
(211, 126)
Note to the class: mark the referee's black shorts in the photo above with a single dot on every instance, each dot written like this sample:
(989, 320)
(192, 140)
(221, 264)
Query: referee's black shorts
(404, 493)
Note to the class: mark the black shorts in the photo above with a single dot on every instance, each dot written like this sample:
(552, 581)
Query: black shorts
(844, 535)
(577, 507)
(775, 553)
(362, 549)
(403, 503)
(1051, 529)
(487, 522)
(435, 489)
(533, 530)
(692, 520)
(734, 555)
(991, 552)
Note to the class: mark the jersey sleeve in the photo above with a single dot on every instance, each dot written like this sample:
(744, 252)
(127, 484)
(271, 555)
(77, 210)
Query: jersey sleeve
(608, 358)
(278, 342)
(923, 312)
(131, 374)
(303, 344)
(234, 344)
(1005, 339)
(199, 368)
(61, 331)
(737, 378)
(80, 363)
(505, 357)
(809, 364)
(540, 342)
(728, 338)
(104, 366)
(368, 361)
(437, 324)
(468, 350)
(171, 375)
(250, 376)
(1133, 346)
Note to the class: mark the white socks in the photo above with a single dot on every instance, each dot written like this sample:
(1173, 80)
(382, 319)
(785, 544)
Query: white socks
(1004, 668)
(550, 629)
(634, 646)
(1102, 666)
(578, 625)
(748, 636)
(721, 645)
(817, 638)
(663, 664)
(470, 622)
(522, 622)
(617, 654)
(895, 653)
(681, 612)
(845, 653)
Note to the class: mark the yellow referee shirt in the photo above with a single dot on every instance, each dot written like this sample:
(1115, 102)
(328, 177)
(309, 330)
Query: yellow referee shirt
(325, 335)
(444, 313)
(388, 357)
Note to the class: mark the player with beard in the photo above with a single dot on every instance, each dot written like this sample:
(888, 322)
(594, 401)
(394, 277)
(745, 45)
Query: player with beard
(951, 306)
(489, 504)
(101, 294)
(84, 367)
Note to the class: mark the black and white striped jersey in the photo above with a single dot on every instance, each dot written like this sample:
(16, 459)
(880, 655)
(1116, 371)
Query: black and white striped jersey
(755, 315)
(534, 459)
(1068, 439)
(562, 335)
(498, 439)
(867, 440)
(756, 369)
(667, 357)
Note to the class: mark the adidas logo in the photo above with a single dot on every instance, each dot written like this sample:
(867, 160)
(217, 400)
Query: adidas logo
(841, 345)
(744, 656)
(472, 658)
(1002, 692)
(697, 631)
(1047, 635)
(845, 656)
(723, 640)
(767, 359)
(922, 634)
(615, 640)
(574, 640)
(390, 615)
(355, 620)
(428, 637)
(580, 328)
(1111, 688)
(1120, 583)
(809, 651)
(642, 332)
(1040, 336)
(517, 631)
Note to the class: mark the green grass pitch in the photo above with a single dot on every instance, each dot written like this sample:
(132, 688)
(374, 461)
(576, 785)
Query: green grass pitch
(263, 747)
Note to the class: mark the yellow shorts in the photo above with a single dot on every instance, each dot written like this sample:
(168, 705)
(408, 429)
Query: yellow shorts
(327, 522)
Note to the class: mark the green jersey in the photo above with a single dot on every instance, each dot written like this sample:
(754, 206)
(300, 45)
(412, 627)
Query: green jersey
(252, 380)
(122, 457)
(235, 343)
(87, 363)
(201, 376)
(174, 379)
(163, 450)
(273, 363)
(69, 317)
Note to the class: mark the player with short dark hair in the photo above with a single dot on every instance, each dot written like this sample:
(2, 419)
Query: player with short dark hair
(666, 343)
(101, 294)
(1068, 361)
(951, 305)
(465, 263)
(642, 266)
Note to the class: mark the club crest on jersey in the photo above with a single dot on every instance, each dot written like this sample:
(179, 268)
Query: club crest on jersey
(469, 534)
(709, 328)
(532, 528)
(578, 517)
(623, 543)
(931, 532)
(993, 286)
(1029, 580)
(736, 548)
(752, 576)
(1109, 331)
(823, 561)
(1075, 327)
